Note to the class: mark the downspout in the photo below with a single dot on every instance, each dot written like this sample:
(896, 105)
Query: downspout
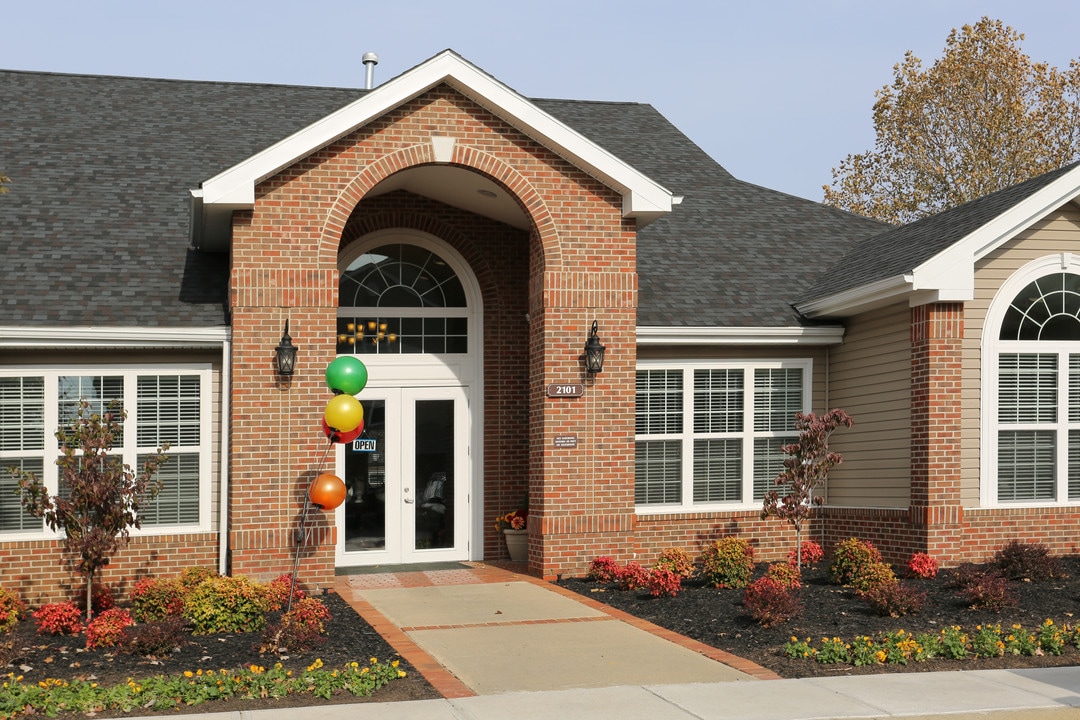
(223, 485)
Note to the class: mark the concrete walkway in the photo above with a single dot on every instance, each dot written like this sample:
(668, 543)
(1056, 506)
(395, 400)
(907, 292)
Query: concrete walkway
(497, 644)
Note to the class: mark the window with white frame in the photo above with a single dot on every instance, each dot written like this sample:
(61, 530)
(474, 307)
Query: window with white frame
(163, 406)
(709, 436)
(1034, 419)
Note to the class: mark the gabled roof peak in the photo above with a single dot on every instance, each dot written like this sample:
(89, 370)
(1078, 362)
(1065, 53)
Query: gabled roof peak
(643, 198)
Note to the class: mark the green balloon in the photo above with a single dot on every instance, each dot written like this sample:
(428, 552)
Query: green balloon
(346, 375)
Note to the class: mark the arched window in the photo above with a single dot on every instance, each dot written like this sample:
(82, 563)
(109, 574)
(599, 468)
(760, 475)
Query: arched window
(1036, 393)
(401, 298)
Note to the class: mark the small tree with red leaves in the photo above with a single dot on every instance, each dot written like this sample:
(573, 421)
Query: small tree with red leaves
(100, 497)
(806, 468)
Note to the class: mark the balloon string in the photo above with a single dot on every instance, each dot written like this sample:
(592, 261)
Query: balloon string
(301, 539)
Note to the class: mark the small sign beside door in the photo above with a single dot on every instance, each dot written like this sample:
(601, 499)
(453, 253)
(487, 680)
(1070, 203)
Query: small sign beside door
(364, 445)
(566, 441)
(564, 390)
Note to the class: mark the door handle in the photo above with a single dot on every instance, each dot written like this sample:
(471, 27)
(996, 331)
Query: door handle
(408, 501)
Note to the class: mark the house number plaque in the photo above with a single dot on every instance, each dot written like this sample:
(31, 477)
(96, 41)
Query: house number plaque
(560, 390)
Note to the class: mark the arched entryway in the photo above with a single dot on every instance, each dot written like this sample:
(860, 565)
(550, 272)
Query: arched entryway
(409, 307)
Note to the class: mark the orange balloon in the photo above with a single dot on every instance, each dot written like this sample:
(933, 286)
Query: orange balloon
(327, 491)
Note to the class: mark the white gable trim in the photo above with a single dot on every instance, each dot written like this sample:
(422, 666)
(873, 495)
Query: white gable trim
(643, 198)
(952, 271)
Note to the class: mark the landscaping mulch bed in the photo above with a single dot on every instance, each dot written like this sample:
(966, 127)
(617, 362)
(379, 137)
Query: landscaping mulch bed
(717, 618)
(349, 638)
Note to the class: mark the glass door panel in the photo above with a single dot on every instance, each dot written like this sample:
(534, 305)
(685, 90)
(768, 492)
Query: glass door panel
(365, 480)
(407, 479)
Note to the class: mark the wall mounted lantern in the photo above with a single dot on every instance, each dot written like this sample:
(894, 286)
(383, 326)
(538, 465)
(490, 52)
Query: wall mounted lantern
(594, 352)
(285, 354)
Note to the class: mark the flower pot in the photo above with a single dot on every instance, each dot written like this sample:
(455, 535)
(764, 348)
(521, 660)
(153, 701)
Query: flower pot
(517, 544)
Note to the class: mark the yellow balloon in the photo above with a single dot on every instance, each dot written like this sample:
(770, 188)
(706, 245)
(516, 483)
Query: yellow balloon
(344, 413)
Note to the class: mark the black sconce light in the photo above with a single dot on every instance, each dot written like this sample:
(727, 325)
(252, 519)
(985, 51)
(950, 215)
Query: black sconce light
(285, 354)
(594, 352)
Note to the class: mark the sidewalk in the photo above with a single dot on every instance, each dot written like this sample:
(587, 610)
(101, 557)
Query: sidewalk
(497, 644)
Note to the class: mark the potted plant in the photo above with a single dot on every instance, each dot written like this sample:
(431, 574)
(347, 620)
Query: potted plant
(513, 526)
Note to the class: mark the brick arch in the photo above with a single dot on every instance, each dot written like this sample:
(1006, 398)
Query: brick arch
(532, 202)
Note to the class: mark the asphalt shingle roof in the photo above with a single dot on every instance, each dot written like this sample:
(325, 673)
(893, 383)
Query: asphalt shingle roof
(95, 230)
(902, 249)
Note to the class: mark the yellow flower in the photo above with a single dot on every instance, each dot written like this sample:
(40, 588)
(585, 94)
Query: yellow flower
(188, 673)
(395, 663)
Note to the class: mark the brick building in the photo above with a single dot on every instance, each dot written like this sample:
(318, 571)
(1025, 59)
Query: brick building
(463, 241)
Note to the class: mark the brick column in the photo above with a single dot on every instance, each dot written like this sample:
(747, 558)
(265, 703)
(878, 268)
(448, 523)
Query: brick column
(937, 333)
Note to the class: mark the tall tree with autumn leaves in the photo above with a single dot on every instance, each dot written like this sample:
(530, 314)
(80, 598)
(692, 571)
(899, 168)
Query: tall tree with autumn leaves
(983, 117)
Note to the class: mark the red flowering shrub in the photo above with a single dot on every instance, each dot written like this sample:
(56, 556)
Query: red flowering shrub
(728, 562)
(156, 638)
(300, 629)
(155, 599)
(58, 619)
(770, 603)
(277, 592)
(633, 576)
(812, 553)
(107, 629)
(894, 599)
(677, 561)
(102, 599)
(922, 565)
(604, 570)
(663, 582)
(11, 609)
(988, 591)
(785, 574)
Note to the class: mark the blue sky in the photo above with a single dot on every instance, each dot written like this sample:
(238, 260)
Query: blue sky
(777, 92)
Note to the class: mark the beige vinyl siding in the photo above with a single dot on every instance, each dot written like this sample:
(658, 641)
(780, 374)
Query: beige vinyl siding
(1058, 232)
(870, 379)
(116, 358)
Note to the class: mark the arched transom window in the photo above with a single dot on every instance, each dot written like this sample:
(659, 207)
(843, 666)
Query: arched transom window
(1038, 393)
(400, 299)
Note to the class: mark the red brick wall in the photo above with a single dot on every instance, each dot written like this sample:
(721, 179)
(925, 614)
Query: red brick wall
(39, 572)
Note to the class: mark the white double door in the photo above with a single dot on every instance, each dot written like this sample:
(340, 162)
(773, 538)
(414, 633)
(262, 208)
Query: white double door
(408, 479)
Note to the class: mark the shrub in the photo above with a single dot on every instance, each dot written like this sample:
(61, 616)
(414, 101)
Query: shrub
(277, 592)
(769, 602)
(59, 619)
(101, 599)
(677, 561)
(300, 629)
(989, 591)
(850, 558)
(1026, 561)
(107, 629)
(812, 553)
(728, 562)
(193, 576)
(226, 604)
(663, 582)
(922, 565)
(987, 642)
(156, 638)
(604, 570)
(632, 576)
(894, 599)
(11, 610)
(872, 576)
(154, 599)
(785, 574)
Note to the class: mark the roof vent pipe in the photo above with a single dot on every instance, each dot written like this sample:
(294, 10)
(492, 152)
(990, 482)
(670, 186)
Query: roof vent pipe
(370, 60)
